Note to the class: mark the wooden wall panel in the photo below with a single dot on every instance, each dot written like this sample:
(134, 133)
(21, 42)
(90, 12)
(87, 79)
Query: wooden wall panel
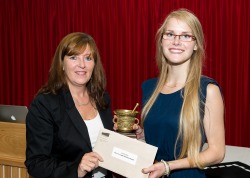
(12, 150)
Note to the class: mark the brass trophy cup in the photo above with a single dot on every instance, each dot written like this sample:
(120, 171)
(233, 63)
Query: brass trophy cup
(125, 119)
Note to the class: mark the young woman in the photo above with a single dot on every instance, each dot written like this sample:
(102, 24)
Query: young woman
(181, 108)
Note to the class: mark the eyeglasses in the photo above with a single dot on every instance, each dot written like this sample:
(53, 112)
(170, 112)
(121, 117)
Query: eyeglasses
(184, 37)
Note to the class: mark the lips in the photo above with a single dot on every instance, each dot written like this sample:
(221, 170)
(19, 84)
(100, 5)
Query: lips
(175, 50)
(81, 72)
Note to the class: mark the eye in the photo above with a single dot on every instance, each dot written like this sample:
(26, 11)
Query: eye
(88, 58)
(169, 34)
(186, 36)
(73, 57)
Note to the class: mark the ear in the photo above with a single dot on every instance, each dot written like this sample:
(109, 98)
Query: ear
(195, 47)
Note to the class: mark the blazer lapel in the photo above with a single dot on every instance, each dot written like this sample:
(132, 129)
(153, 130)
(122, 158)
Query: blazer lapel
(76, 117)
(106, 117)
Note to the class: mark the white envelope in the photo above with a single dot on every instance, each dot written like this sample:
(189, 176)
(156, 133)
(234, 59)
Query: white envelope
(123, 155)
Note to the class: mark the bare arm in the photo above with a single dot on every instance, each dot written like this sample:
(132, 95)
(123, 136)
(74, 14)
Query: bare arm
(214, 127)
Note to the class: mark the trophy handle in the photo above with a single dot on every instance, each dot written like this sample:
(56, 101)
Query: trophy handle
(115, 119)
(137, 121)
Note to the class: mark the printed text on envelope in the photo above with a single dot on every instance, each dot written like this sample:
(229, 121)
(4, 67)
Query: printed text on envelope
(124, 155)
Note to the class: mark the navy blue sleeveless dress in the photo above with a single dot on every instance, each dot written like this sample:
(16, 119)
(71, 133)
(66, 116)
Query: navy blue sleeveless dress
(162, 122)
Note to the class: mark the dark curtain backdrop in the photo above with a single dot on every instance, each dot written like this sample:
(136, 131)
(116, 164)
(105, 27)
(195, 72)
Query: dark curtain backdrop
(124, 31)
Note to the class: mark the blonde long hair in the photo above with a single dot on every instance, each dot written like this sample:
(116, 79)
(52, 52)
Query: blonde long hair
(189, 134)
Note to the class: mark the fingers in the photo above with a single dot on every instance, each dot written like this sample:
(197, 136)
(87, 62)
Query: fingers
(138, 131)
(89, 162)
(137, 128)
(96, 155)
(87, 167)
(154, 171)
(115, 127)
(148, 170)
(151, 172)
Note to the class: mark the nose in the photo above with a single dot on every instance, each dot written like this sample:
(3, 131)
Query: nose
(81, 62)
(176, 40)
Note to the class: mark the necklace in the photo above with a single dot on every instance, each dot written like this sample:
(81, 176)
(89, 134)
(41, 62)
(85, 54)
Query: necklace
(82, 104)
(169, 86)
(174, 85)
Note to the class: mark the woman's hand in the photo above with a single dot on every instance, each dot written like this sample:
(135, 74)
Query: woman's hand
(155, 171)
(115, 127)
(89, 162)
(139, 132)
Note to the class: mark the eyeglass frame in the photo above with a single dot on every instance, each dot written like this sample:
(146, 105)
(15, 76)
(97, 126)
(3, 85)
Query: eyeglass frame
(193, 38)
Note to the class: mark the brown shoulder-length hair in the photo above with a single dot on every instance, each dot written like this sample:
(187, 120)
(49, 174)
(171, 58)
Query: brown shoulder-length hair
(75, 44)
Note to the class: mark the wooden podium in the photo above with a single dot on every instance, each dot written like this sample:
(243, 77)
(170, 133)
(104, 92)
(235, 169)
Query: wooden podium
(12, 150)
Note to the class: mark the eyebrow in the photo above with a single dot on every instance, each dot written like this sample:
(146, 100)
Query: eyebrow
(181, 32)
(88, 54)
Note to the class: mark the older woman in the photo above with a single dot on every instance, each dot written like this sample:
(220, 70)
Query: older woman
(66, 115)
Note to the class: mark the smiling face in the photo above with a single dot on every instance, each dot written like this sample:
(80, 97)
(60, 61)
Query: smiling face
(78, 68)
(177, 51)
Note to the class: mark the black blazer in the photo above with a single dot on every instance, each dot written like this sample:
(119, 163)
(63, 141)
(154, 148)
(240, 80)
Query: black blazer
(57, 137)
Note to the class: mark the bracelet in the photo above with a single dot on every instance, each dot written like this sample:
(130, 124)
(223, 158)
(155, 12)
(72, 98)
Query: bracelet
(167, 168)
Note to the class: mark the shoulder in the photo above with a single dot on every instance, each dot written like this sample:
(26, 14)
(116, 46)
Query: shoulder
(42, 103)
(48, 102)
(106, 98)
(149, 84)
(208, 85)
(48, 99)
(104, 102)
(44, 98)
(205, 80)
(41, 109)
(213, 90)
(148, 87)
